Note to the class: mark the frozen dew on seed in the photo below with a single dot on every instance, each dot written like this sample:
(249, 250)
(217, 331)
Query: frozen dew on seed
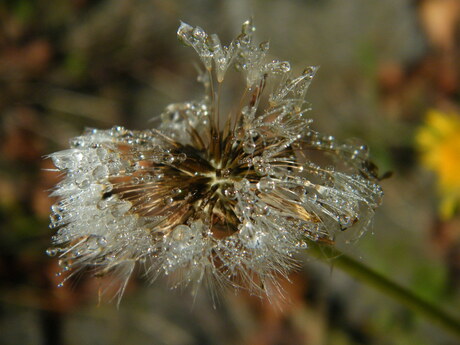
(206, 196)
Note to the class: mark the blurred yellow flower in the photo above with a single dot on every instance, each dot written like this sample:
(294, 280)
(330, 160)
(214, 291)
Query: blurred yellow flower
(439, 143)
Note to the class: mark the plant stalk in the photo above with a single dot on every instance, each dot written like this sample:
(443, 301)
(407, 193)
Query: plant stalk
(386, 286)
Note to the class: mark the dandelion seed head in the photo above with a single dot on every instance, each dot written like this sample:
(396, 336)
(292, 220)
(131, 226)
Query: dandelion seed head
(212, 195)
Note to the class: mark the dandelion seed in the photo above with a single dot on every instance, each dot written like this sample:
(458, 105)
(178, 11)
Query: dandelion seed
(212, 195)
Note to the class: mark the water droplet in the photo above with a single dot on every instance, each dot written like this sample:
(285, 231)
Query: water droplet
(301, 245)
(226, 173)
(148, 178)
(168, 159)
(312, 196)
(249, 146)
(101, 153)
(184, 30)
(63, 161)
(249, 236)
(264, 46)
(230, 192)
(121, 208)
(266, 185)
(77, 142)
(100, 172)
(248, 27)
(345, 220)
(168, 200)
(266, 210)
(280, 66)
(52, 251)
(213, 42)
(55, 220)
(309, 72)
(102, 241)
(56, 217)
(102, 205)
(261, 167)
(199, 33)
(83, 183)
(176, 191)
(108, 188)
(182, 233)
(57, 211)
(299, 190)
(181, 157)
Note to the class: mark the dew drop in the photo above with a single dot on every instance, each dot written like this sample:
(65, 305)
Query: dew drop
(345, 220)
(249, 236)
(120, 209)
(301, 245)
(52, 251)
(266, 210)
(226, 173)
(83, 183)
(266, 185)
(260, 166)
(168, 200)
(230, 192)
(249, 146)
(309, 72)
(77, 142)
(102, 205)
(181, 157)
(312, 196)
(56, 217)
(248, 27)
(181, 233)
(100, 172)
(62, 162)
(101, 153)
(168, 159)
(264, 46)
(199, 33)
(102, 241)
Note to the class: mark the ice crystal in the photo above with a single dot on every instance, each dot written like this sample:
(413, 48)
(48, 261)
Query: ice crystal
(223, 197)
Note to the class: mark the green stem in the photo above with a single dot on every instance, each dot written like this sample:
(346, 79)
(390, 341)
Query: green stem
(386, 286)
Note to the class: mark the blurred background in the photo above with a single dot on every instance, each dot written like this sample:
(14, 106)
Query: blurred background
(389, 75)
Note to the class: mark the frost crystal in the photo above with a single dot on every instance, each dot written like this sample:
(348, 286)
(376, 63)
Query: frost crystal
(229, 195)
